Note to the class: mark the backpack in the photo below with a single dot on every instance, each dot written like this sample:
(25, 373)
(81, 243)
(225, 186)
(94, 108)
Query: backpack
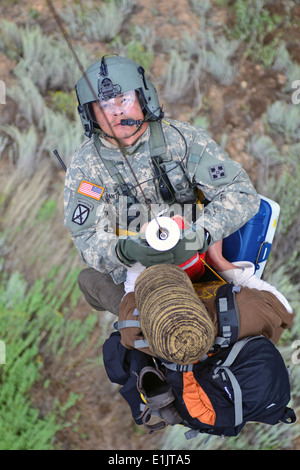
(245, 381)
(237, 381)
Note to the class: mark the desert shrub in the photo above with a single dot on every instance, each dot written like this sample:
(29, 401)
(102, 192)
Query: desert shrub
(47, 60)
(252, 21)
(179, 79)
(30, 102)
(265, 151)
(284, 119)
(200, 7)
(194, 58)
(97, 23)
(24, 152)
(10, 39)
(219, 58)
(33, 327)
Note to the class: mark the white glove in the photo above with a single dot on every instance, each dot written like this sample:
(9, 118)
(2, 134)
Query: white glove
(244, 275)
(132, 274)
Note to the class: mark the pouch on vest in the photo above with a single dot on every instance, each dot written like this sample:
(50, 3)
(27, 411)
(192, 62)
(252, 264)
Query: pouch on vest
(173, 183)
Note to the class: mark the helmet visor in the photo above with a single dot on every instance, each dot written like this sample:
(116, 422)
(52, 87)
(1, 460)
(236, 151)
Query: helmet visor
(122, 103)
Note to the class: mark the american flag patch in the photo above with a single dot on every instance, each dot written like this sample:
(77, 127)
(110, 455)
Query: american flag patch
(91, 190)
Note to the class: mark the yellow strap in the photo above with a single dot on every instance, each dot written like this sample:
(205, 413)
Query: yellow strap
(121, 233)
(213, 271)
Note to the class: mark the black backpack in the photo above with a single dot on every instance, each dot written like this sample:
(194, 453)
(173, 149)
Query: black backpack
(246, 381)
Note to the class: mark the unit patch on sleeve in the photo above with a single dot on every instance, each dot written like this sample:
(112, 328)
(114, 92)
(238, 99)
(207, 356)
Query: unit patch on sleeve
(91, 190)
(217, 172)
(80, 214)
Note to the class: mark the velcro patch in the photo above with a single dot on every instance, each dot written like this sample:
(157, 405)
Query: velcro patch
(80, 214)
(217, 172)
(91, 190)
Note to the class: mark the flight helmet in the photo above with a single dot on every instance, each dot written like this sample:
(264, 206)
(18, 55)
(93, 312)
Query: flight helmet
(106, 79)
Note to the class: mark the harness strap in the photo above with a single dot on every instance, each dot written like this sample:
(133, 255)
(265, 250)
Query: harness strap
(238, 403)
(141, 343)
(178, 367)
(196, 153)
(220, 342)
(157, 148)
(228, 312)
(146, 415)
(127, 324)
(112, 170)
(138, 343)
(237, 347)
(157, 140)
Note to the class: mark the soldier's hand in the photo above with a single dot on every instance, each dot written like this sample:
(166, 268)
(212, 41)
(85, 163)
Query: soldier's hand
(133, 249)
(191, 242)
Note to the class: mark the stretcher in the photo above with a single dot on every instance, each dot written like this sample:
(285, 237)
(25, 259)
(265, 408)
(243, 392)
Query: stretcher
(253, 241)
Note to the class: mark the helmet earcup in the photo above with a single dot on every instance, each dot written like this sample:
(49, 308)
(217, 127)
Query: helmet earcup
(87, 124)
(153, 109)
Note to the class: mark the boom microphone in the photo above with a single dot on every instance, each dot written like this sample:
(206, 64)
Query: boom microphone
(130, 122)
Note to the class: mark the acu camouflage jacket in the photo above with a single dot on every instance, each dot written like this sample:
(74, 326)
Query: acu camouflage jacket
(96, 210)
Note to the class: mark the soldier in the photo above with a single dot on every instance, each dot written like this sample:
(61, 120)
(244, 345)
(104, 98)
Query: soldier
(134, 164)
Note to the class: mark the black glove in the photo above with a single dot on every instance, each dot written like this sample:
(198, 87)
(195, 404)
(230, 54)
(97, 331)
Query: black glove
(132, 249)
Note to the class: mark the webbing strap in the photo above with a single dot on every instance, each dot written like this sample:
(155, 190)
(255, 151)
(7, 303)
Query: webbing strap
(228, 312)
(238, 403)
(236, 350)
(157, 140)
(141, 343)
(128, 324)
(178, 367)
(238, 399)
(112, 169)
(153, 412)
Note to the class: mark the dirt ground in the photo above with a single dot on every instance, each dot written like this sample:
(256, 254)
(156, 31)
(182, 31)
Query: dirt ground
(101, 419)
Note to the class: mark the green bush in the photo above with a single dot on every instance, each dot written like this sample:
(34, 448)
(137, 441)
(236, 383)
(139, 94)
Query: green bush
(32, 325)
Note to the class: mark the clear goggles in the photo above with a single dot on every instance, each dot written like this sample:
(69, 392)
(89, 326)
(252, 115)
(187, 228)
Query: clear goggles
(121, 103)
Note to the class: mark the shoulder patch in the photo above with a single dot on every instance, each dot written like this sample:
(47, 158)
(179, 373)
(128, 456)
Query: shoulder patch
(80, 214)
(217, 172)
(89, 189)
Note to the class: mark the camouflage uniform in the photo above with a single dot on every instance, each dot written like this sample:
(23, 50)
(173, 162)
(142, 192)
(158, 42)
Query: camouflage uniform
(92, 214)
